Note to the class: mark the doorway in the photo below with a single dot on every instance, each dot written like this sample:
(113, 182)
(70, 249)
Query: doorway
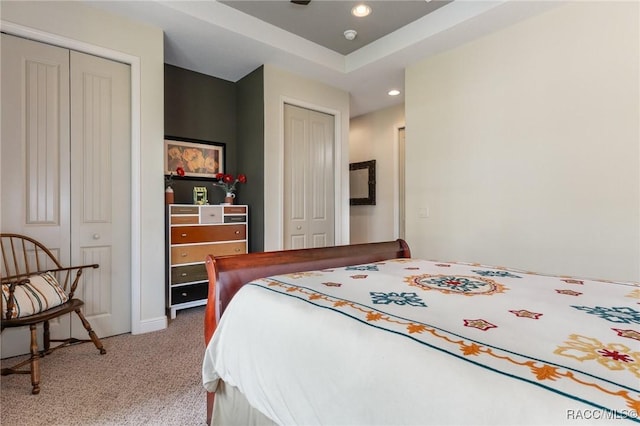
(401, 227)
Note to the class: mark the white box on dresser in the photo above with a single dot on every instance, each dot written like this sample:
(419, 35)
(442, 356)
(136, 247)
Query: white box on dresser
(194, 231)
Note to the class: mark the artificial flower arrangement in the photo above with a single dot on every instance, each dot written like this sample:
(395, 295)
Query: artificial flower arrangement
(228, 183)
(168, 180)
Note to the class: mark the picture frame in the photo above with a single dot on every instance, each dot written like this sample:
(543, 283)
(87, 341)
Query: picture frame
(198, 158)
(362, 183)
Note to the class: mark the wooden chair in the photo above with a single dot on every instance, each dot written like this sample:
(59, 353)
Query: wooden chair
(25, 261)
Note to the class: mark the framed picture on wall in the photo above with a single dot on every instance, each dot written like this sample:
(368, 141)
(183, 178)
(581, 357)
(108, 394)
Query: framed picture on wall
(362, 183)
(199, 159)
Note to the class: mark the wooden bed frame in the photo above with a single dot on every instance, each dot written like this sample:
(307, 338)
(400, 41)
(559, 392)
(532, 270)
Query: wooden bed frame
(227, 274)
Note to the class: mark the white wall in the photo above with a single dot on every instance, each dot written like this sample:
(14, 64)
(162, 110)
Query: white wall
(373, 136)
(524, 145)
(93, 29)
(280, 87)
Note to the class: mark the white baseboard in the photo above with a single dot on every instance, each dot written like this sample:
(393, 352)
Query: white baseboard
(147, 326)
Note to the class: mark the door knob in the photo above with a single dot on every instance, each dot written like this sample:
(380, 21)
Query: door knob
(96, 236)
(298, 227)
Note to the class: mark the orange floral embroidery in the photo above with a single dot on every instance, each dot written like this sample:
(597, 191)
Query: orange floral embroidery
(374, 316)
(635, 294)
(634, 405)
(297, 275)
(471, 349)
(416, 328)
(546, 372)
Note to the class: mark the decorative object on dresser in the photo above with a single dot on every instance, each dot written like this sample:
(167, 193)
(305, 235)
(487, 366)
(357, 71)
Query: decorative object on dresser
(193, 232)
(228, 183)
(200, 195)
(168, 182)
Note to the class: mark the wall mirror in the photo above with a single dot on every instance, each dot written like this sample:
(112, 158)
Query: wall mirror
(362, 183)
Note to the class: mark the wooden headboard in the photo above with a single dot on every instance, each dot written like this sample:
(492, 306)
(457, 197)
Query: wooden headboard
(227, 274)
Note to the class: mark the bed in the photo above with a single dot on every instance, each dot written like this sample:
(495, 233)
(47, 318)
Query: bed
(364, 334)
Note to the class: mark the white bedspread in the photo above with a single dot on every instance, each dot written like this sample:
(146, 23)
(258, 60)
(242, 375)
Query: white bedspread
(412, 342)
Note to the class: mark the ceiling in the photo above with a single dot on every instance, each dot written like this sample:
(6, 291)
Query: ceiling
(230, 39)
(325, 21)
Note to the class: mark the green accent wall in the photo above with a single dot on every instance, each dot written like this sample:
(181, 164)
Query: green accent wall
(205, 108)
(250, 131)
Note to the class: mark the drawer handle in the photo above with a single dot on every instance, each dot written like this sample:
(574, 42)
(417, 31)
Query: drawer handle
(184, 274)
(237, 249)
(184, 294)
(212, 215)
(183, 254)
(183, 235)
(237, 232)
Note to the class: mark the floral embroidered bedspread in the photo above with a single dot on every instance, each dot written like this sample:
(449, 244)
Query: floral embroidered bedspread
(579, 338)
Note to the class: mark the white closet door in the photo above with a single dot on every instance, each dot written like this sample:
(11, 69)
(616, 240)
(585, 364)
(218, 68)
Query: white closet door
(309, 176)
(35, 142)
(65, 174)
(101, 191)
(34, 157)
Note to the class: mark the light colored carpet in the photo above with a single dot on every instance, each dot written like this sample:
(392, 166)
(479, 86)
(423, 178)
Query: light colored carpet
(147, 379)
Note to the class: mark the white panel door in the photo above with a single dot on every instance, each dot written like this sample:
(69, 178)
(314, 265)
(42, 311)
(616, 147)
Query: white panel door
(52, 188)
(34, 157)
(309, 178)
(101, 191)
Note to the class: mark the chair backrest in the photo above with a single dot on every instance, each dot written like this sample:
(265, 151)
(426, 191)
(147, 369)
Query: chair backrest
(23, 256)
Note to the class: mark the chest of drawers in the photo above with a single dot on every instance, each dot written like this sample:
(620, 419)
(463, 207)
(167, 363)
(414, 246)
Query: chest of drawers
(194, 231)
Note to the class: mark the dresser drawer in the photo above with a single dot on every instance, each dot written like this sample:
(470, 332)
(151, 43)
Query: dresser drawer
(184, 219)
(235, 219)
(184, 209)
(211, 214)
(203, 234)
(188, 293)
(188, 273)
(197, 253)
(235, 209)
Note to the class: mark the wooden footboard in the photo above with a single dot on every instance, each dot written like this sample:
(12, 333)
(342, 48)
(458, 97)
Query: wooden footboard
(227, 274)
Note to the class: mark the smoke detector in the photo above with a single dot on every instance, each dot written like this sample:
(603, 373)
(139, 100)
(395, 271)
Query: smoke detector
(350, 34)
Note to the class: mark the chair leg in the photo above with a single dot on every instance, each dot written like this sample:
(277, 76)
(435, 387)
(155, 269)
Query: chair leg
(94, 337)
(35, 361)
(47, 336)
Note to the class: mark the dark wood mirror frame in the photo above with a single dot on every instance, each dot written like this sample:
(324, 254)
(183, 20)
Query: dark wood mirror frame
(362, 183)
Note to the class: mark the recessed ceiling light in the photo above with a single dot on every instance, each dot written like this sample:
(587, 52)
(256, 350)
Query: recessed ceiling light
(361, 10)
(394, 92)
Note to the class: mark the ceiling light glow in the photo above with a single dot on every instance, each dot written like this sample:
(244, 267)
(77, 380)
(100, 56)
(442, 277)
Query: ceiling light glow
(393, 92)
(361, 10)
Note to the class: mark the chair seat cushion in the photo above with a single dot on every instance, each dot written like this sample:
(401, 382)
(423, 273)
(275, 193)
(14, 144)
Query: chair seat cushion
(42, 292)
